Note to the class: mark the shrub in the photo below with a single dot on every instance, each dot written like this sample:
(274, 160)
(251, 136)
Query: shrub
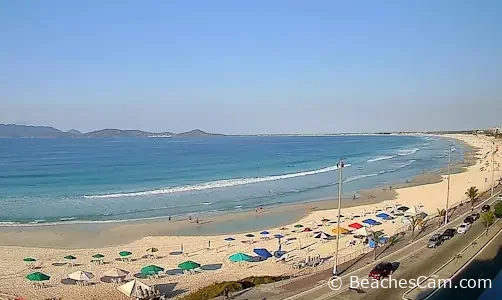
(498, 209)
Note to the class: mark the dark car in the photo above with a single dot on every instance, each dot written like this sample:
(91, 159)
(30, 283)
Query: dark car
(475, 216)
(435, 241)
(448, 234)
(381, 270)
(469, 220)
(485, 208)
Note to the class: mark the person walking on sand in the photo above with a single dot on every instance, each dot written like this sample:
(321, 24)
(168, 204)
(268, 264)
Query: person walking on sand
(209, 244)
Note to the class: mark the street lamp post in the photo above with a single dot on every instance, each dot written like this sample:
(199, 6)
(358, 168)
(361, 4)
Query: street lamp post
(340, 166)
(493, 168)
(448, 190)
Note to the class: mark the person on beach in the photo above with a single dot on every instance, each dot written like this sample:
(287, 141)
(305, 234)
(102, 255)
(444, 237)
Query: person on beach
(189, 218)
(169, 218)
(209, 244)
(197, 220)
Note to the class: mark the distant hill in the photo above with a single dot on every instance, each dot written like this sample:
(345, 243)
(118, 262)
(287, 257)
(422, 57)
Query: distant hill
(196, 134)
(24, 131)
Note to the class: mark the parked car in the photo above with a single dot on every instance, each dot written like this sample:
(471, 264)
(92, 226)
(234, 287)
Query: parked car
(448, 234)
(381, 270)
(475, 216)
(469, 220)
(463, 228)
(486, 207)
(435, 241)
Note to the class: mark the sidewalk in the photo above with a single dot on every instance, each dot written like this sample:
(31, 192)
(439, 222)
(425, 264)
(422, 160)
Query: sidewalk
(456, 263)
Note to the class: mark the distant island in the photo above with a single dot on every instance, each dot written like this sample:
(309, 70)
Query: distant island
(25, 131)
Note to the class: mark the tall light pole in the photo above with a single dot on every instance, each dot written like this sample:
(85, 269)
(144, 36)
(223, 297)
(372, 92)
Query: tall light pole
(448, 191)
(493, 168)
(340, 166)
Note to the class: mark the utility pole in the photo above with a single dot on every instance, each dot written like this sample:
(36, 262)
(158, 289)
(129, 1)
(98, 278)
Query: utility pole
(493, 168)
(340, 166)
(448, 191)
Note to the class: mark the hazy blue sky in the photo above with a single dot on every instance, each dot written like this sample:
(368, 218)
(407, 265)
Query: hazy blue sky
(252, 66)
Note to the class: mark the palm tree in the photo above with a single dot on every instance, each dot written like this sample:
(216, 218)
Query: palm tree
(488, 219)
(441, 214)
(375, 236)
(416, 221)
(472, 194)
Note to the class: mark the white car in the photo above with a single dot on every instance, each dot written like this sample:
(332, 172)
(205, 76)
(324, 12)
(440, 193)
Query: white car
(463, 228)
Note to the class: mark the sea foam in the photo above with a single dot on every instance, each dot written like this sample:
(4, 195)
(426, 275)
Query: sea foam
(381, 158)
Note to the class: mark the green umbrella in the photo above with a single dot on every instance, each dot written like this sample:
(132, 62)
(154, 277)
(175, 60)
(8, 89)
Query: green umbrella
(239, 257)
(298, 226)
(29, 259)
(124, 253)
(37, 276)
(151, 269)
(188, 265)
(71, 257)
(99, 255)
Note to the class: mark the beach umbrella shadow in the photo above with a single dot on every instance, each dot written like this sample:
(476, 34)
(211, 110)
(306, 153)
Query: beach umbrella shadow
(174, 272)
(68, 281)
(166, 288)
(108, 279)
(140, 276)
(176, 253)
(211, 267)
(59, 264)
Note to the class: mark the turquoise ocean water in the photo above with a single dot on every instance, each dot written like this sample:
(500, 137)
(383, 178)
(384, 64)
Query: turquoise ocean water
(45, 181)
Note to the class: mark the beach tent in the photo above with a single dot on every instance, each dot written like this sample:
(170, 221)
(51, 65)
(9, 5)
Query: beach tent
(37, 276)
(371, 222)
(355, 225)
(262, 252)
(116, 273)
(134, 288)
(362, 231)
(342, 230)
(151, 269)
(384, 216)
(81, 276)
(239, 257)
(188, 265)
(322, 235)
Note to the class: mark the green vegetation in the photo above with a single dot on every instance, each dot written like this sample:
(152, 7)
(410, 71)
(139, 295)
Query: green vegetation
(498, 209)
(488, 218)
(217, 289)
(473, 195)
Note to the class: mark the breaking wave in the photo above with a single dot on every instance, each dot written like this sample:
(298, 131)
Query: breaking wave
(407, 152)
(381, 158)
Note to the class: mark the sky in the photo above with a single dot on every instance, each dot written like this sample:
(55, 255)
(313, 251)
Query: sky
(244, 67)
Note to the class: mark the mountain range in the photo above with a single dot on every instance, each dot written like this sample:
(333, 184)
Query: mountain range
(25, 131)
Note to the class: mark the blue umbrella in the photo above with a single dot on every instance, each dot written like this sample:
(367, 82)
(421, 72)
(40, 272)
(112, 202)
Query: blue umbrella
(229, 239)
(371, 222)
(262, 252)
(264, 232)
(384, 216)
(278, 236)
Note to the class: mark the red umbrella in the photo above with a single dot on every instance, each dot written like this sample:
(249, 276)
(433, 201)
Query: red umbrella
(307, 230)
(356, 225)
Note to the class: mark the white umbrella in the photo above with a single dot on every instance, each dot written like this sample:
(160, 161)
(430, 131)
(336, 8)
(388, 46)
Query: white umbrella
(362, 231)
(412, 211)
(322, 235)
(81, 275)
(134, 288)
(115, 273)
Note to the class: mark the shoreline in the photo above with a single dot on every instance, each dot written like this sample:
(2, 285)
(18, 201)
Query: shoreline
(116, 233)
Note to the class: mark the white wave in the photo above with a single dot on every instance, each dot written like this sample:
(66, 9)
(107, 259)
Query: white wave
(206, 203)
(381, 158)
(409, 163)
(67, 219)
(352, 178)
(407, 152)
(215, 184)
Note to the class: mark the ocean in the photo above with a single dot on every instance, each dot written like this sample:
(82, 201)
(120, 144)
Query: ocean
(47, 181)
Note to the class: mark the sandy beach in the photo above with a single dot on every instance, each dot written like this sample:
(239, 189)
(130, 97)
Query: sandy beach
(50, 244)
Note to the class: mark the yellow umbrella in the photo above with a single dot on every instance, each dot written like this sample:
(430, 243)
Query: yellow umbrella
(342, 230)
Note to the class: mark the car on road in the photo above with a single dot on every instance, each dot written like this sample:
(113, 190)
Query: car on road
(435, 241)
(448, 234)
(499, 197)
(469, 220)
(463, 228)
(486, 207)
(381, 270)
(475, 216)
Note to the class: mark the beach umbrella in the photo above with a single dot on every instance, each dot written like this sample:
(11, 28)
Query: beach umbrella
(384, 216)
(151, 269)
(188, 265)
(134, 288)
(81, 276)
(325, 220)
(29, 259)
(249, 235)
(298, 226)
(70, 257)
(124, 253)
(278, 236)
(355, 225)
(362, 231)
(403, 208)
(239, 257)
(229, 239)
(116, 273)
(371, 222)
(152, 250)
(98, 256)
(264, 232)
(262, 252)
(342, 230)
(307, 229)
(37, 276)
(322, 235)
